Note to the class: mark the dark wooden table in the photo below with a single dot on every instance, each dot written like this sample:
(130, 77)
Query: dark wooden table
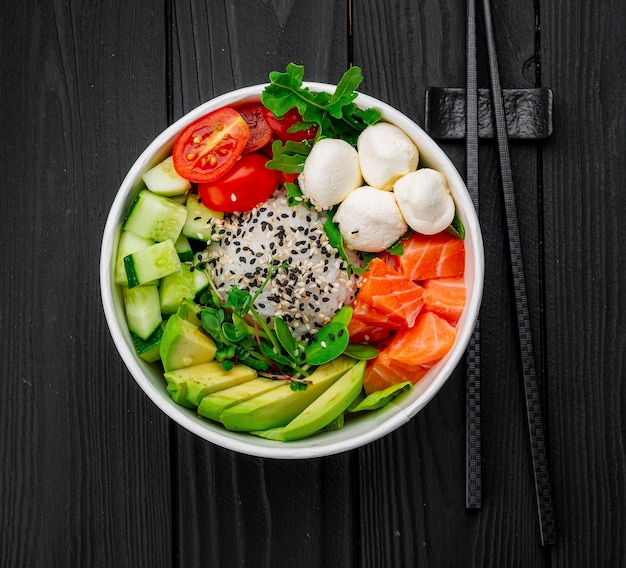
(92, 474)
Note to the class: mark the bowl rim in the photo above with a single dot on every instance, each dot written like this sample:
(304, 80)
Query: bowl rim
(379, 423)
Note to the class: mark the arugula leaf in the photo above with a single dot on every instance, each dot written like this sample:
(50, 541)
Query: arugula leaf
(457, 228)
(289, 157)
(336, 115)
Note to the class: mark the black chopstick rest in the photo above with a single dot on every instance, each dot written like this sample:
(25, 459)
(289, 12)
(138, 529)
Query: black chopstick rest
(528, 113)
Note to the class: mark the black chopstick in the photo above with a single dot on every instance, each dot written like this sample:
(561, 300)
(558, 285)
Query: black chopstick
(473, 476)
(531, 387)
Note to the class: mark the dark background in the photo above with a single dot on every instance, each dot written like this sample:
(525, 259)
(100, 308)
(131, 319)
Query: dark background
(93, 475)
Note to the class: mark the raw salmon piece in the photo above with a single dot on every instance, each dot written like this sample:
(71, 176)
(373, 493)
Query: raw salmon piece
(382, 372)
(391, 294)
(424, 344)
(429, 256)
(362, 331)
(445, 297)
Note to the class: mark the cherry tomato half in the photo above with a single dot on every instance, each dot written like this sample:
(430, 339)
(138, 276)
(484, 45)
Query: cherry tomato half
(208, 147)
(245, 185)
(281, 126)
(260, 130)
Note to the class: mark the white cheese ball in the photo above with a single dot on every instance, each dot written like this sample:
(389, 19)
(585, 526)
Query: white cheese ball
(425, 201)
(331, 171)
(385, 154)
(369, 220)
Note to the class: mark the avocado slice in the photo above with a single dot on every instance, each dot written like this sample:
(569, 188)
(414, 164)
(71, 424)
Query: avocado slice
(327, 406)
(183, 345)
(212, 405)
(189, 310)
(281, 405)
(197, 381)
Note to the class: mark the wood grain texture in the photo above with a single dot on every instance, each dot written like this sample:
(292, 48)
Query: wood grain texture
(94, 475)
(83, 451)
(273, 512)
(584, 169)
(433, 443)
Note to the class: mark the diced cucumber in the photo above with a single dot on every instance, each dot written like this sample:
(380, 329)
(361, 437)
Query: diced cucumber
(143, 310)
(151, 263)
(155, 217)
(129, 243)
(164, 179)
(180, 199)
(200, 219)
(180, 285)
(183, 248)
(148, 349)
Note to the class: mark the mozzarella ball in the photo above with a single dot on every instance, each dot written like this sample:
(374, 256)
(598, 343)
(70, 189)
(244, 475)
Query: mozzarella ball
(425, 201)
(331, 171)
(369, 220)
(385, 154)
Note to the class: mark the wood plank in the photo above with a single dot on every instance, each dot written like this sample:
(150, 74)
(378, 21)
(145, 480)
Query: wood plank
(79, 101)
(427, 48)
(584, 55)
(233, 509)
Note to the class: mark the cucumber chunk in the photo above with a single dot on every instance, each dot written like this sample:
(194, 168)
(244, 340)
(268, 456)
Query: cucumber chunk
(129, 243)
(183, 248)
(200, 219)
(180, 285)
(148, 349)
(155, 217)
(143, 310)
(151, 263)
(164, 179)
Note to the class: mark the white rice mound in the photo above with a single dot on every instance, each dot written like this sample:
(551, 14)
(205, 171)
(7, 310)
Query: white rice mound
(313, 285)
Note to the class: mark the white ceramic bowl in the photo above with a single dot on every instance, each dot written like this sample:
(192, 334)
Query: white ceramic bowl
(358, 431)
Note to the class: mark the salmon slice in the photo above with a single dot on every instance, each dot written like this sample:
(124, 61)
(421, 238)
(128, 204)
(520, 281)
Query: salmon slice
(410, 353)
(445, 297)
(382, 372)
(363, 331)
(389, 293)
(429, 256)
(424, 344)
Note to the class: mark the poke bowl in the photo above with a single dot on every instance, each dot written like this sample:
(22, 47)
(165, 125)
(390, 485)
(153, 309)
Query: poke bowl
(306, 327)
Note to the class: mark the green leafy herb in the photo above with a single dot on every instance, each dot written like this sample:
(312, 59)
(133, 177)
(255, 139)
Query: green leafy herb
(361, 351)
(329, 342)
(457, 228)
(336, 240)
(288, 157)
(336, 115)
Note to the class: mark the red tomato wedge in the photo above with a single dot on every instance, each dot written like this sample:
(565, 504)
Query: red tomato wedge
(246, 184)
(260, 131)
(391, 294)
(445, 297)
(281, 126)
(410, 353)
(208, 147)
(432, 256)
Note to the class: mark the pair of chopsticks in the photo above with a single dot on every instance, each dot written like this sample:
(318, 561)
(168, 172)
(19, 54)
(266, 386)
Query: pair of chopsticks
(531, 387)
